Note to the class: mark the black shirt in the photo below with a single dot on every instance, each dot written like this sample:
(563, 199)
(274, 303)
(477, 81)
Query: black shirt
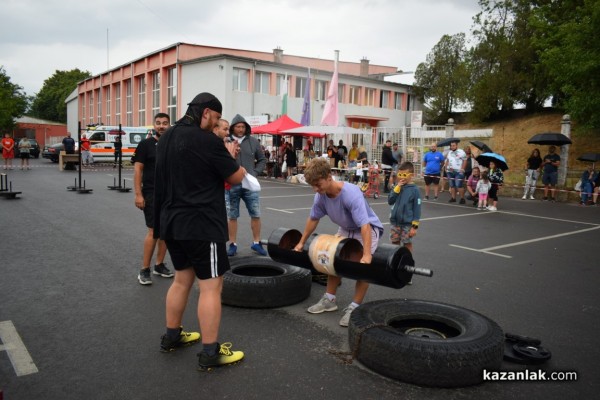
(534, 162)
(145, 153)
(189, 194)
(69, 144)
(550, 158)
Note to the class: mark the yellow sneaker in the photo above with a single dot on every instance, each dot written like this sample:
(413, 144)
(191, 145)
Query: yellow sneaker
(184, 339)
(225, 356)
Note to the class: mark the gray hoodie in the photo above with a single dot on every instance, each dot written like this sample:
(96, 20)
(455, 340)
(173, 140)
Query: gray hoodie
(251, 155)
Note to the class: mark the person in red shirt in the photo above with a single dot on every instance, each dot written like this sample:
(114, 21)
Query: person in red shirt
(8, 151)
(86, 155)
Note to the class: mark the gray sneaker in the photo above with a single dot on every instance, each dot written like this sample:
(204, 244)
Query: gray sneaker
(346, 318)
(144, 276)
(162, 270)
(323, 305)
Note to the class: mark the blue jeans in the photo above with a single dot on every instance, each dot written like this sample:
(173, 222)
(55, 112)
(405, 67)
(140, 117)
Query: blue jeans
(232, 202)
(455, 179)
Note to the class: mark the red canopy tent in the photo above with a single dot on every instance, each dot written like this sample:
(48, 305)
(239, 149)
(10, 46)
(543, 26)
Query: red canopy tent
(281, 124)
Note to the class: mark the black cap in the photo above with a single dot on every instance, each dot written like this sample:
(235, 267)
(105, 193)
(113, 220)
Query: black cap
(207, 100)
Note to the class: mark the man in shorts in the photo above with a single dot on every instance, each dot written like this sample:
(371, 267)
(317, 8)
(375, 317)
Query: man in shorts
(550, 166)
(432, 164)
(189, 215)
(144, 161)
(252, 157)
(455, 165)
(346, 206)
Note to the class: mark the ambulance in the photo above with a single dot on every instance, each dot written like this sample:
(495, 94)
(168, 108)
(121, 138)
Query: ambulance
(103, 137)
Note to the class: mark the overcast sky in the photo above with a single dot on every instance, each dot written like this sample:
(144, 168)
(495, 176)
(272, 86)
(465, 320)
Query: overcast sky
(38, 37)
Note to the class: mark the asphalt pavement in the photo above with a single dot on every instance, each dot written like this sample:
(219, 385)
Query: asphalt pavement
(75, 323)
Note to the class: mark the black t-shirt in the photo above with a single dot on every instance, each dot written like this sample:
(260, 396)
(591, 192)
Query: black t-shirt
(118, 145)
(69, 144)
(534, 162)
(145, 153)
(548, 168)
(189, 194)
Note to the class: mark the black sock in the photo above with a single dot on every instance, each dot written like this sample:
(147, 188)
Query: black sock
(210, 348)
(173, 333)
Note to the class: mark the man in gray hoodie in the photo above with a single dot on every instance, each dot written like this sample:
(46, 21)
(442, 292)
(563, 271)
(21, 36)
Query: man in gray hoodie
(253, 159)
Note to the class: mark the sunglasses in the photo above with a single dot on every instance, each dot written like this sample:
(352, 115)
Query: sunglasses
(404, 175)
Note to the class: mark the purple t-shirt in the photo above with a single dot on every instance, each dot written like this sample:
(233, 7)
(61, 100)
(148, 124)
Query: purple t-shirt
(349, 209)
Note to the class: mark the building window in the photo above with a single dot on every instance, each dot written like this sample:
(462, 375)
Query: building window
(155, 93)
(281, 83)
(300, 86)
(369, 97)
(129, 103)
(107, 97)
(355, 95)
(262, 82)
(172, 94)
(240, 79)
(384, 99)
(91, 107)
(118, 103)
(320, 90)
(99, 98)
(397, 101)
(340, 92)
(141, 101)
(83, 105)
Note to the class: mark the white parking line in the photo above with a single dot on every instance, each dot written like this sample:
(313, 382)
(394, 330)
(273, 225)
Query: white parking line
(488, 250)
(17, 352)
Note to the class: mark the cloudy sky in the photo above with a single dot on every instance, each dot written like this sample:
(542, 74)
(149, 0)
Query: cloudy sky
(38, 37)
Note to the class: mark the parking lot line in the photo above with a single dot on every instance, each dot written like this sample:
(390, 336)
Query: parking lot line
(17, 352)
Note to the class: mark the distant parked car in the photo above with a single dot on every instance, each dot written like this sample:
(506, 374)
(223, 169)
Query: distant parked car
(53, 151)
(34, 151)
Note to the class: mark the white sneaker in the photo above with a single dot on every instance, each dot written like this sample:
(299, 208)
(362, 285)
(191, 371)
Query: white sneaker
(492, 208)
(323, 305)
(346, 318)
(524, 197)
(531, 197)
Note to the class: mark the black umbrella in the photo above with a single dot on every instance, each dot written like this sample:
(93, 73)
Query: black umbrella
(485, 158)
(591, 157)
(482, 146)
(549, 138)
(447, 141)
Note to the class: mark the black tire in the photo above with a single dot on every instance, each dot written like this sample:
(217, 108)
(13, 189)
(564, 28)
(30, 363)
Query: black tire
(425, 343)
(259, 282)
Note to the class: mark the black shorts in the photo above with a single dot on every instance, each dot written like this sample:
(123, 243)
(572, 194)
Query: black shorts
(149, 210)
(432, 178)
(208, 259)
(24, 156)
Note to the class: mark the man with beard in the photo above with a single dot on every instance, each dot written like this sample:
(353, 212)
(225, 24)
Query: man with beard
(189, 215)
(144, 161)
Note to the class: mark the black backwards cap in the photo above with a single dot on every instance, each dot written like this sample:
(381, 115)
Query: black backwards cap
(207, 100)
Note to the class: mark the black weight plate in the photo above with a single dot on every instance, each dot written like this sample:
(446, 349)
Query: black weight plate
(534, 354)
(524, 339)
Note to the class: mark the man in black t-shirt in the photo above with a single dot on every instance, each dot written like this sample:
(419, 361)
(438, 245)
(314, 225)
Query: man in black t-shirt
(550, 177)
(144, 161)
(69, 145)
(189, 215)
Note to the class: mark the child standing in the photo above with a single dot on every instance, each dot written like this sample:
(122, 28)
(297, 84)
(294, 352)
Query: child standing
(496, 178)
(482, 189)
(405, 200)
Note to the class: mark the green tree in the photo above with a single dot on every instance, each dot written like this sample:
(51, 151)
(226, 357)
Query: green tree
(504, 65)
(441, 81)
(571, 54)
(13, 102)
(49, 103)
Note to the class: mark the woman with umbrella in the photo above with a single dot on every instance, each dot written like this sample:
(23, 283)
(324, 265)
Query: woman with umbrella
(496, 164)
(588, 179)
(534, 163)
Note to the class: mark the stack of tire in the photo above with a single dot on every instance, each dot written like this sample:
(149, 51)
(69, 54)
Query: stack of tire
(259, 282)
(425, 343)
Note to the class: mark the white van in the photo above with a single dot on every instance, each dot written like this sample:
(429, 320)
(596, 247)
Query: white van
(103, 138)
